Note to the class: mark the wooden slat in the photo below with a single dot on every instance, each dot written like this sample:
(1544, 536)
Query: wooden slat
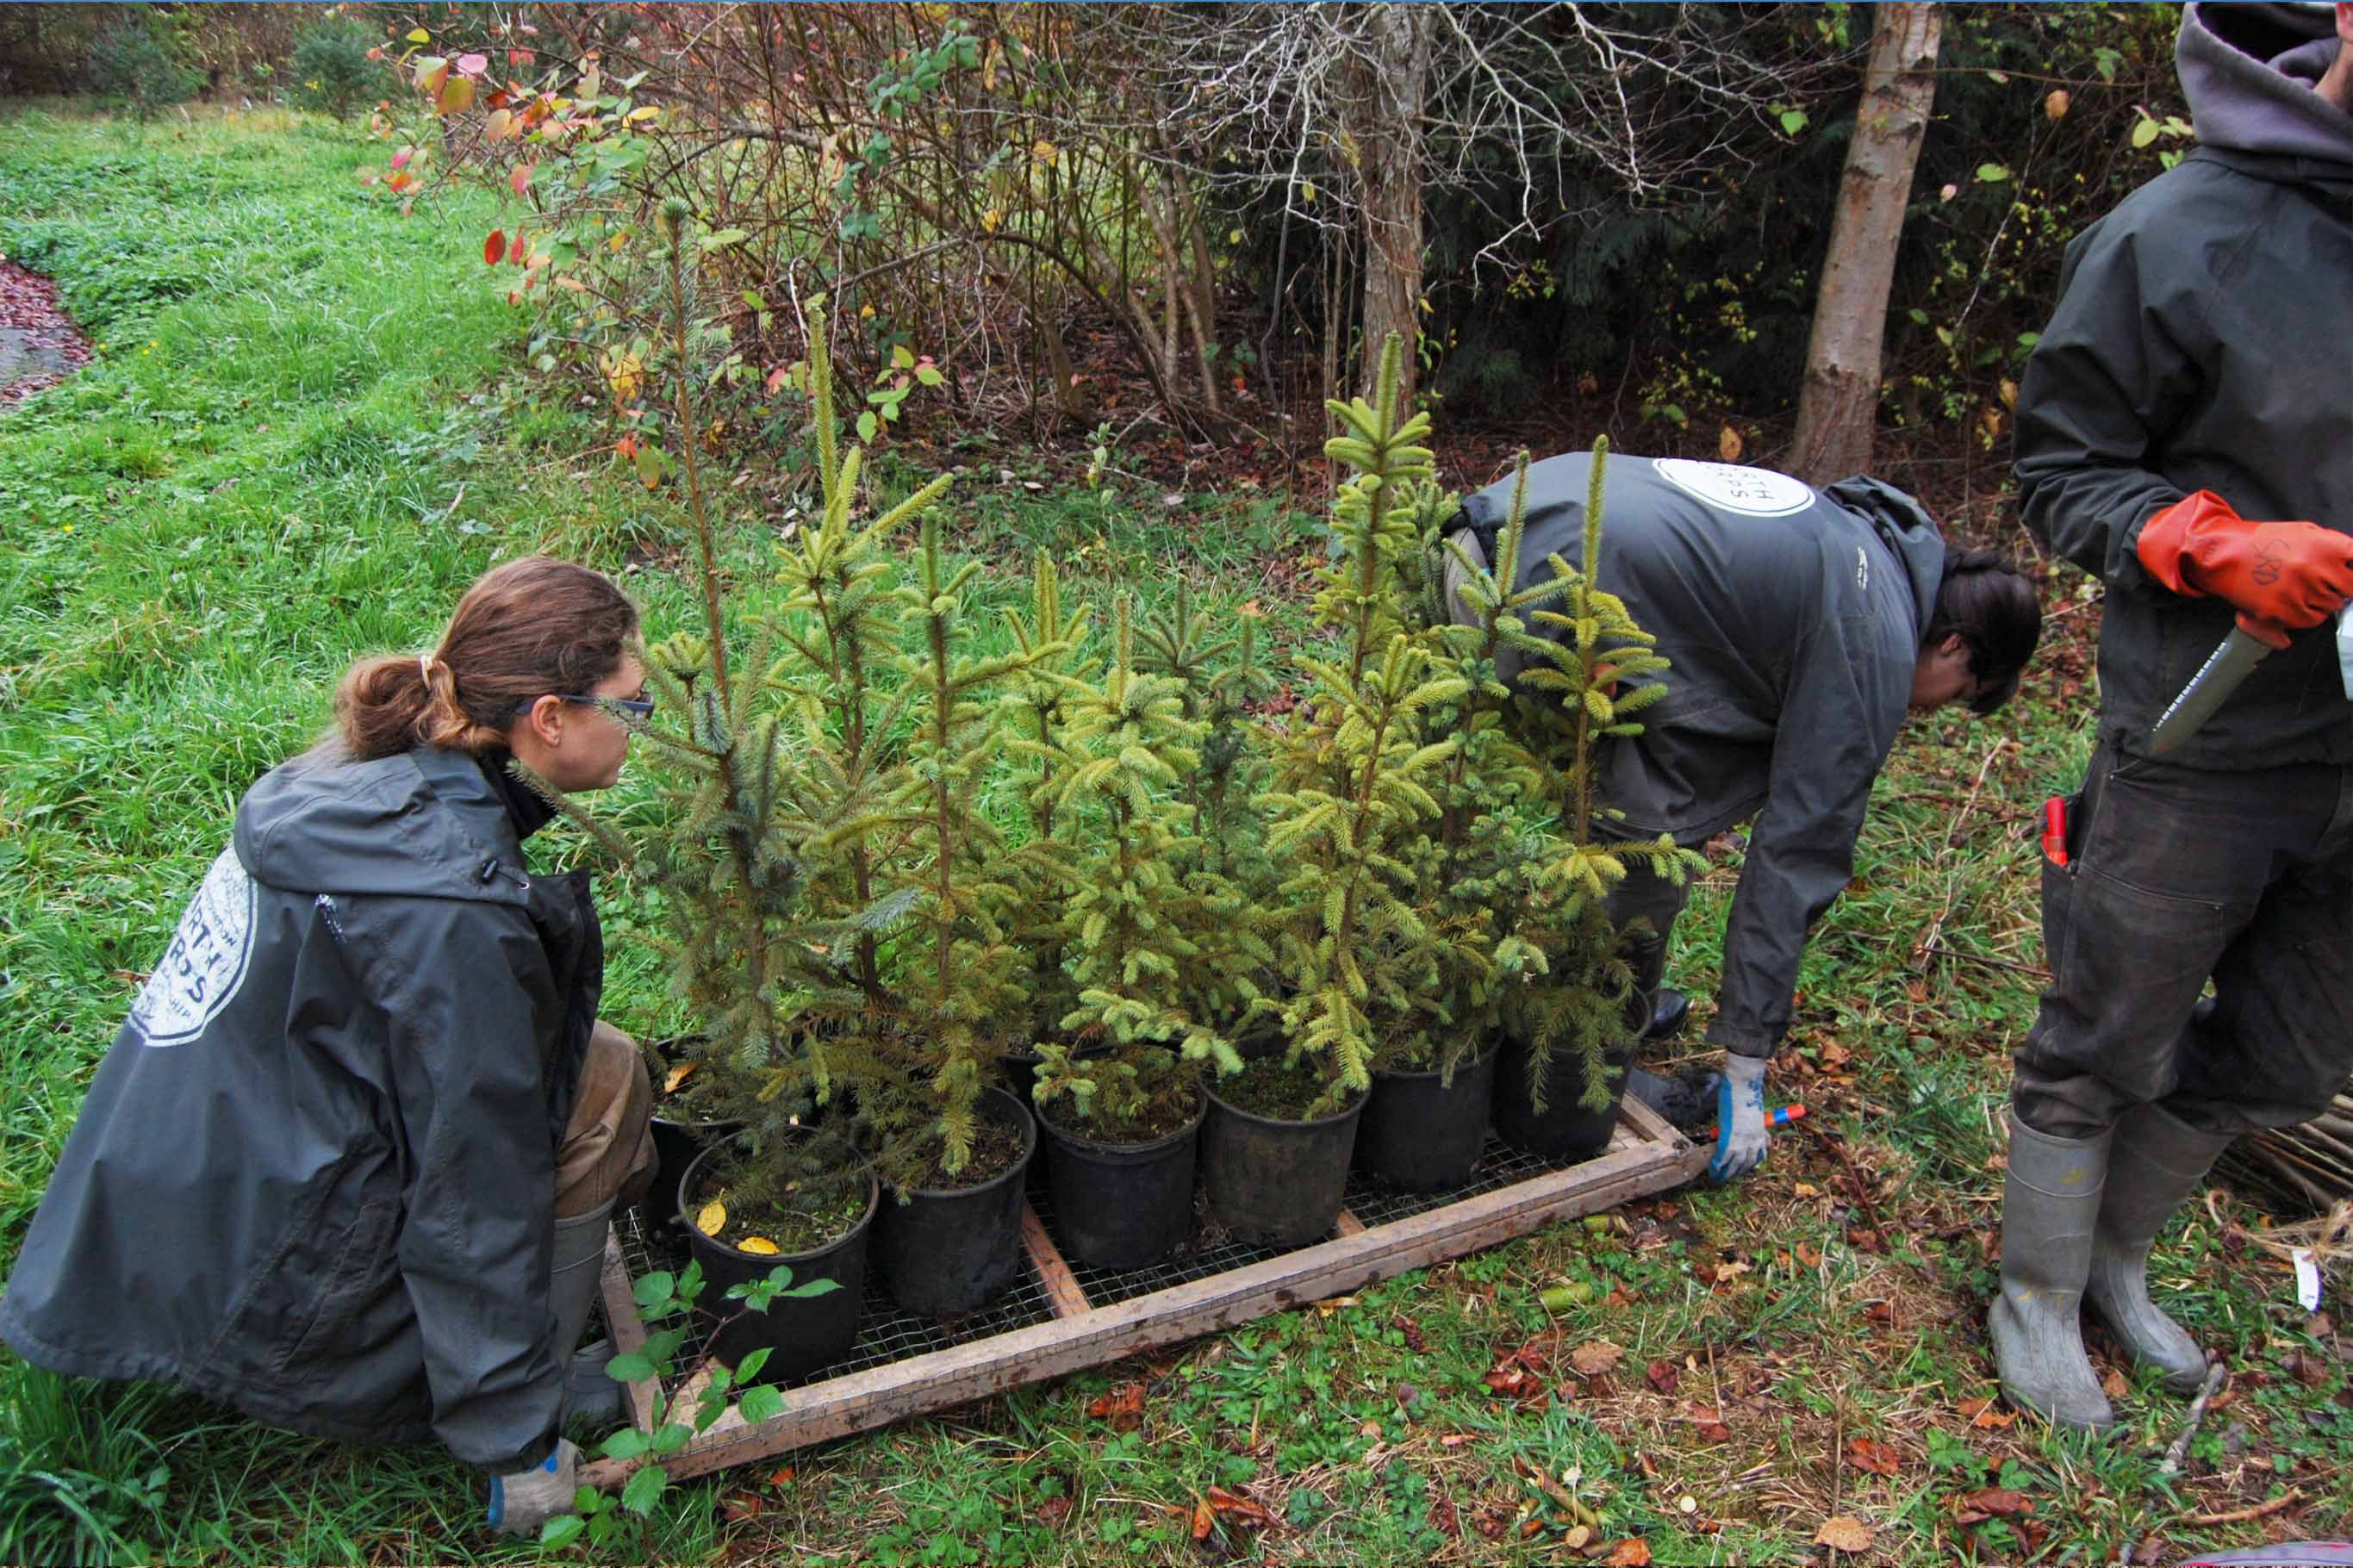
(1054, 1275)
(1652, 1128)
(1347, 1225)
(862, 1401)
(628, 1331)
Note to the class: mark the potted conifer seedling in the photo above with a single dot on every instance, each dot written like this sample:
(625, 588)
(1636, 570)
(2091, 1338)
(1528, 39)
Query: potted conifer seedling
(1120, 1116)
(759, 960)
(1348, 819)
(1564, 1015)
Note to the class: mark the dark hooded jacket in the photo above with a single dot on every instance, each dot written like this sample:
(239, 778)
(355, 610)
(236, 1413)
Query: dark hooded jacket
(2200, 342)
(314, 1178)
(1792, 619)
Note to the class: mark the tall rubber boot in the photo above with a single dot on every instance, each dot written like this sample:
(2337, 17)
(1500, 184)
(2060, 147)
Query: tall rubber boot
(2049, 1208)
(2155, 1162)
(573, 1276)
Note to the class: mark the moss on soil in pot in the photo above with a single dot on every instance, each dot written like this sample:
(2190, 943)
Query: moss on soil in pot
(1282, 1090)
(800, 1219)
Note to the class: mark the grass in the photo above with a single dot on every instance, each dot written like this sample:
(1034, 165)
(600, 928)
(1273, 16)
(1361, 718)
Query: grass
(308, 430)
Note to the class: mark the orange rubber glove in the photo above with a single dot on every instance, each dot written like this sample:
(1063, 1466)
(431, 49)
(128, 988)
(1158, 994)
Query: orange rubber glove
(2280, 575)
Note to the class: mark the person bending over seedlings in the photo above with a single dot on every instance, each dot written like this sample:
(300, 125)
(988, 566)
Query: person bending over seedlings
(1800, 625)
(348, 1165)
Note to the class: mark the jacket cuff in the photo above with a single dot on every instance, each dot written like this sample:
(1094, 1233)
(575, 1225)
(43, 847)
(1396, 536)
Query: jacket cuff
(531, 1457)
(1742, 1042)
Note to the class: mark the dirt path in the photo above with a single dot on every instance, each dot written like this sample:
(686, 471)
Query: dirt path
(39, 345)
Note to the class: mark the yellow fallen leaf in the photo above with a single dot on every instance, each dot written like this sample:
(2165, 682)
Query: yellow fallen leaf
(713, 1219)
(759, 1244)
(678, 1075)
(1844, 1533)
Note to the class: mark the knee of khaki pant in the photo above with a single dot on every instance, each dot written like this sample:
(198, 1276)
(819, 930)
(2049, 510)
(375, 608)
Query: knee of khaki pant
(608, 1150)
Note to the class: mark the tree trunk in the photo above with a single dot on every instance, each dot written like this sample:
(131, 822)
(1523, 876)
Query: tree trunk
(1838, 406)
(1388, 103)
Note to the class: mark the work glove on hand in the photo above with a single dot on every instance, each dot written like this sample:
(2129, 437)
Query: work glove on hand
(1739, 1117)
(523, 1501)
(2280, 575)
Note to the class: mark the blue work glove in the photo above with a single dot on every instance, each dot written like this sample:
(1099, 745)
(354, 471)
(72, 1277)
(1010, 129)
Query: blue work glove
(523, 1501)
(1739, 1117)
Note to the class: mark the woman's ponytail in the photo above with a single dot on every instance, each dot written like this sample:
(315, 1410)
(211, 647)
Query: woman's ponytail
(526, 629)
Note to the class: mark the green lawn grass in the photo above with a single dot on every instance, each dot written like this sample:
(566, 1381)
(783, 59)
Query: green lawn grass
(309, 429)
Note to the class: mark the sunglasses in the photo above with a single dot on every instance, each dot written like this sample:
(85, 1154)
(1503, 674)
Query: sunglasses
(639, 708)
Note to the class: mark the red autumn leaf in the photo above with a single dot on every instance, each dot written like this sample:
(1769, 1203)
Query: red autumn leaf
(1665, 1375)
(1876, 1458)
(1710, 1422)
(1122, 1408)
(521, 179)
(780, 1476)
(1441, 1514)
(400, 181)
(1993, 1502)
(494, 249)
(400, 158)
(516, 59)
(473, 64)
(520, 248)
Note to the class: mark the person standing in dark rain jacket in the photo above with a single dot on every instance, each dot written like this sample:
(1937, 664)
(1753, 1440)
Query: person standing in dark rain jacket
(349, 1164)
(1801, 626)
(2184, 433)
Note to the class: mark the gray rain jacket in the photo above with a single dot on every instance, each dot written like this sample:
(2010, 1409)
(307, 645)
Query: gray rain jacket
(2200, 342)
(1792, 618)
(314, 1178)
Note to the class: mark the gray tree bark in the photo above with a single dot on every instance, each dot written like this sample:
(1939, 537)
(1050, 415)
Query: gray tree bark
(1838, 406)
(1393, 75)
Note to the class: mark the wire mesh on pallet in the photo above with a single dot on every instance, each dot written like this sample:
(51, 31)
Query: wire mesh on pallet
(886, 1334)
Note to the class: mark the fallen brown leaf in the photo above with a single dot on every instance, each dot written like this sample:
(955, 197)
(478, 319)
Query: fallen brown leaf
(1595, 1357)
(1844, 1533)
(2114, 1385)
(1993, 1502)
(1664, 1376)
(1247, 1511)
(1866, 1454)
(1983, 1415)
(1710, 1422)
(1630, 1552)
(1122, 1408)
(1053, 1510)
(1204, 1518)
(741, 1507)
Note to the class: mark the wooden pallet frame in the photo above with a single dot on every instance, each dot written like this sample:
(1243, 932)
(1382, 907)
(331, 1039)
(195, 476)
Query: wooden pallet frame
(1651, 1157)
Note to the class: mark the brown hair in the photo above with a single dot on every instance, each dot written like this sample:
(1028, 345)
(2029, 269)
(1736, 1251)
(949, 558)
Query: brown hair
(524, 629)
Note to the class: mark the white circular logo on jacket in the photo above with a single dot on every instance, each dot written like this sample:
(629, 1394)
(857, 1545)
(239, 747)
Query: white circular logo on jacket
(1758, 492)
(206, 960)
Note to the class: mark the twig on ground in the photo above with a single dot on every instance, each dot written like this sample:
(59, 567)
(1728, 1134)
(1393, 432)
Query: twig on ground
(1837, 1145)
(2260, 1511)
(1568, 1500)
(1933, 948)
(1928, 942)
(2180, 1448)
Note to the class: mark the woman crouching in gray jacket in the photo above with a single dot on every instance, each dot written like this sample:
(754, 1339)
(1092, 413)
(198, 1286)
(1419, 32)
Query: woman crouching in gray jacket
(349, 1164)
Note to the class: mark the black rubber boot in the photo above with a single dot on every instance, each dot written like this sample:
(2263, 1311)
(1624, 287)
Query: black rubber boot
(2050, 1205)
(1685, 1101)
(2155, 1163)
(1670, 1011)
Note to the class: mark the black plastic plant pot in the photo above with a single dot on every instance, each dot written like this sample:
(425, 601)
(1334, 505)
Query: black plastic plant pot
(677, 1143)
(1276, 1182)
(1422, 1134)
(1565, 1129)
(951, 1250)
(803, 1335)
(1122, 1206)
